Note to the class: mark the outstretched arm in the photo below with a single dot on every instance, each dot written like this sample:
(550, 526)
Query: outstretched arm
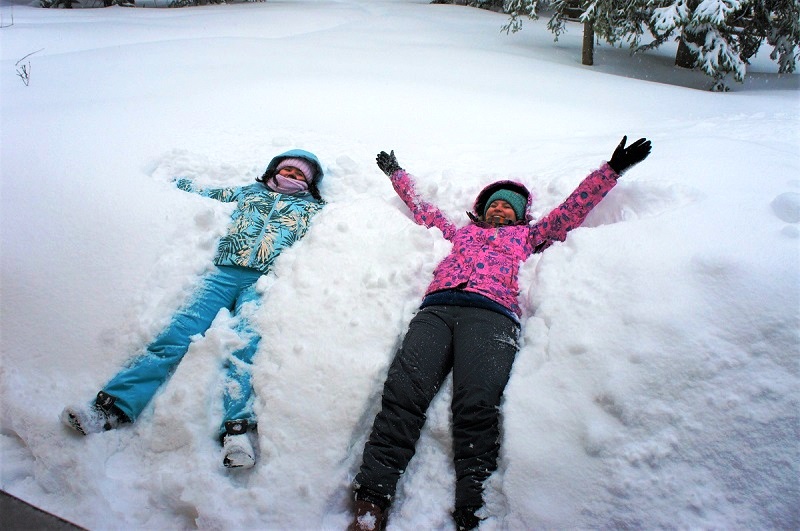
(424, 213)
(573, 211)
(226, 195)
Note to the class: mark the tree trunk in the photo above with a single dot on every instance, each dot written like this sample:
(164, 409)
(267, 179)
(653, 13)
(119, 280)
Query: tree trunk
(587, 57)
(685, 58)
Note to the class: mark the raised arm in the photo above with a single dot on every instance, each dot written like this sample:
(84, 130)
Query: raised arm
(424, 213)
(226, 195)
(573, 211)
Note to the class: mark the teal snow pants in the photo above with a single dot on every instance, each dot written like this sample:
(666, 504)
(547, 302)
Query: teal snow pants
(227, 287)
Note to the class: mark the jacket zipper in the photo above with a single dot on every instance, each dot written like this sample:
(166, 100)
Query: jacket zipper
(257, 243)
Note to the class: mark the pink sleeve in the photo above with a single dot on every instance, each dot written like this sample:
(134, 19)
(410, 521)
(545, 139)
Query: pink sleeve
(573, 211)
(424, 213)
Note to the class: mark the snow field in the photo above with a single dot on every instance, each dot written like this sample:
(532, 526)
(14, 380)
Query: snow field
(657, 385)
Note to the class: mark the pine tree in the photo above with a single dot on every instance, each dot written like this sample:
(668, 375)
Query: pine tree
(780, 22)
(718, 36)
(708, 33)
(517, 9)
(721, 36)
(563, 10)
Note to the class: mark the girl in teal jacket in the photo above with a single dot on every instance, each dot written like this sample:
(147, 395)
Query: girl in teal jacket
(270, 216)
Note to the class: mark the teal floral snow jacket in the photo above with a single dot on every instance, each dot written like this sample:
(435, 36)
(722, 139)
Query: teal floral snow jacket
(263, 224)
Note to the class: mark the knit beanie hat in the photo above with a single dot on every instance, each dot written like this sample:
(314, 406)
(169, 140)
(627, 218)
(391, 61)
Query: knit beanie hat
(517, 202)
(301, 164)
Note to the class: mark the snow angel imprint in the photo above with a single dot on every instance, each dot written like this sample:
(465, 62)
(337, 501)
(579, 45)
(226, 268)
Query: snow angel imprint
(270, 216)
(468, 323)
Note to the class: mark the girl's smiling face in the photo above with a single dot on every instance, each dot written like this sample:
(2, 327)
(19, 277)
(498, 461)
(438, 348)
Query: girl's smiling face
(292, 173)
(500, 208)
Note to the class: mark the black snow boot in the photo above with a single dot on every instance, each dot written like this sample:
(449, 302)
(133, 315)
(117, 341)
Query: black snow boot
(367, 517)
(465, 518)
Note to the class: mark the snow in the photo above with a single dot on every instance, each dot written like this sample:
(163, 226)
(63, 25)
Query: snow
(657, 385)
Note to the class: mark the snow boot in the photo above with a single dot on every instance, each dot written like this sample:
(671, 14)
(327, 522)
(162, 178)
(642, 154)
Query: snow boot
(368, 517)
(465, 518)
(100, 416)
(237, 448)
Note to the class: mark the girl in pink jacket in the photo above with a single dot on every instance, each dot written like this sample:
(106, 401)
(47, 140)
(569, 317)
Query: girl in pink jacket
(468, 323)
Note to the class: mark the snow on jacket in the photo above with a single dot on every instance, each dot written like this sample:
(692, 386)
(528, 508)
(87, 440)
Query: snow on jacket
(262, 225)
(486, 259)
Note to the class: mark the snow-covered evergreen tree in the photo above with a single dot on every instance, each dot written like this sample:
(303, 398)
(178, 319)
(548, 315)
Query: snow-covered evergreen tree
(721, 36)
(780, 20)
(520, 9)
(718, 36)
(711, 34)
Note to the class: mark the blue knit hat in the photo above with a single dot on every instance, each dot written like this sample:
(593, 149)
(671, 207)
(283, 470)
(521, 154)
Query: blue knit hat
(517, 202)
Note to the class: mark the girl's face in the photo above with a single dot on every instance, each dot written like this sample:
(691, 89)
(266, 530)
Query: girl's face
(501, 209)
(292, 173)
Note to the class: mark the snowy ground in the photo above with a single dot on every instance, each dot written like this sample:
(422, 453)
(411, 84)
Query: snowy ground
(658, 382)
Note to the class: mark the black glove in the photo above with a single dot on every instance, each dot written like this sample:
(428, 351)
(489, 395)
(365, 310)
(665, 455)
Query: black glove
(387, 163)
(625, 157)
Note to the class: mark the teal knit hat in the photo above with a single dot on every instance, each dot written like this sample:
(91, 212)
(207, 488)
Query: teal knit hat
(517, 202)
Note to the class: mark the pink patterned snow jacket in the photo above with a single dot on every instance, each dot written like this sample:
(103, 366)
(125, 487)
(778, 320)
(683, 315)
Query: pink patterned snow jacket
(485, 259)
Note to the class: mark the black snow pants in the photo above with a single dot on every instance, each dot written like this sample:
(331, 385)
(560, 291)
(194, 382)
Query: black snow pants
(479, 346)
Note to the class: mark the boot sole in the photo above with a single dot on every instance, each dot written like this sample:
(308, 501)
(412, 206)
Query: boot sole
(74, 423)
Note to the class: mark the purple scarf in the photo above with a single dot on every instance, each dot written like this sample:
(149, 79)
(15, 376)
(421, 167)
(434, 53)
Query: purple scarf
(285, 185)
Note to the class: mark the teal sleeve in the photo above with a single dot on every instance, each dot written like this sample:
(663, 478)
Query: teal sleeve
(226, 195)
